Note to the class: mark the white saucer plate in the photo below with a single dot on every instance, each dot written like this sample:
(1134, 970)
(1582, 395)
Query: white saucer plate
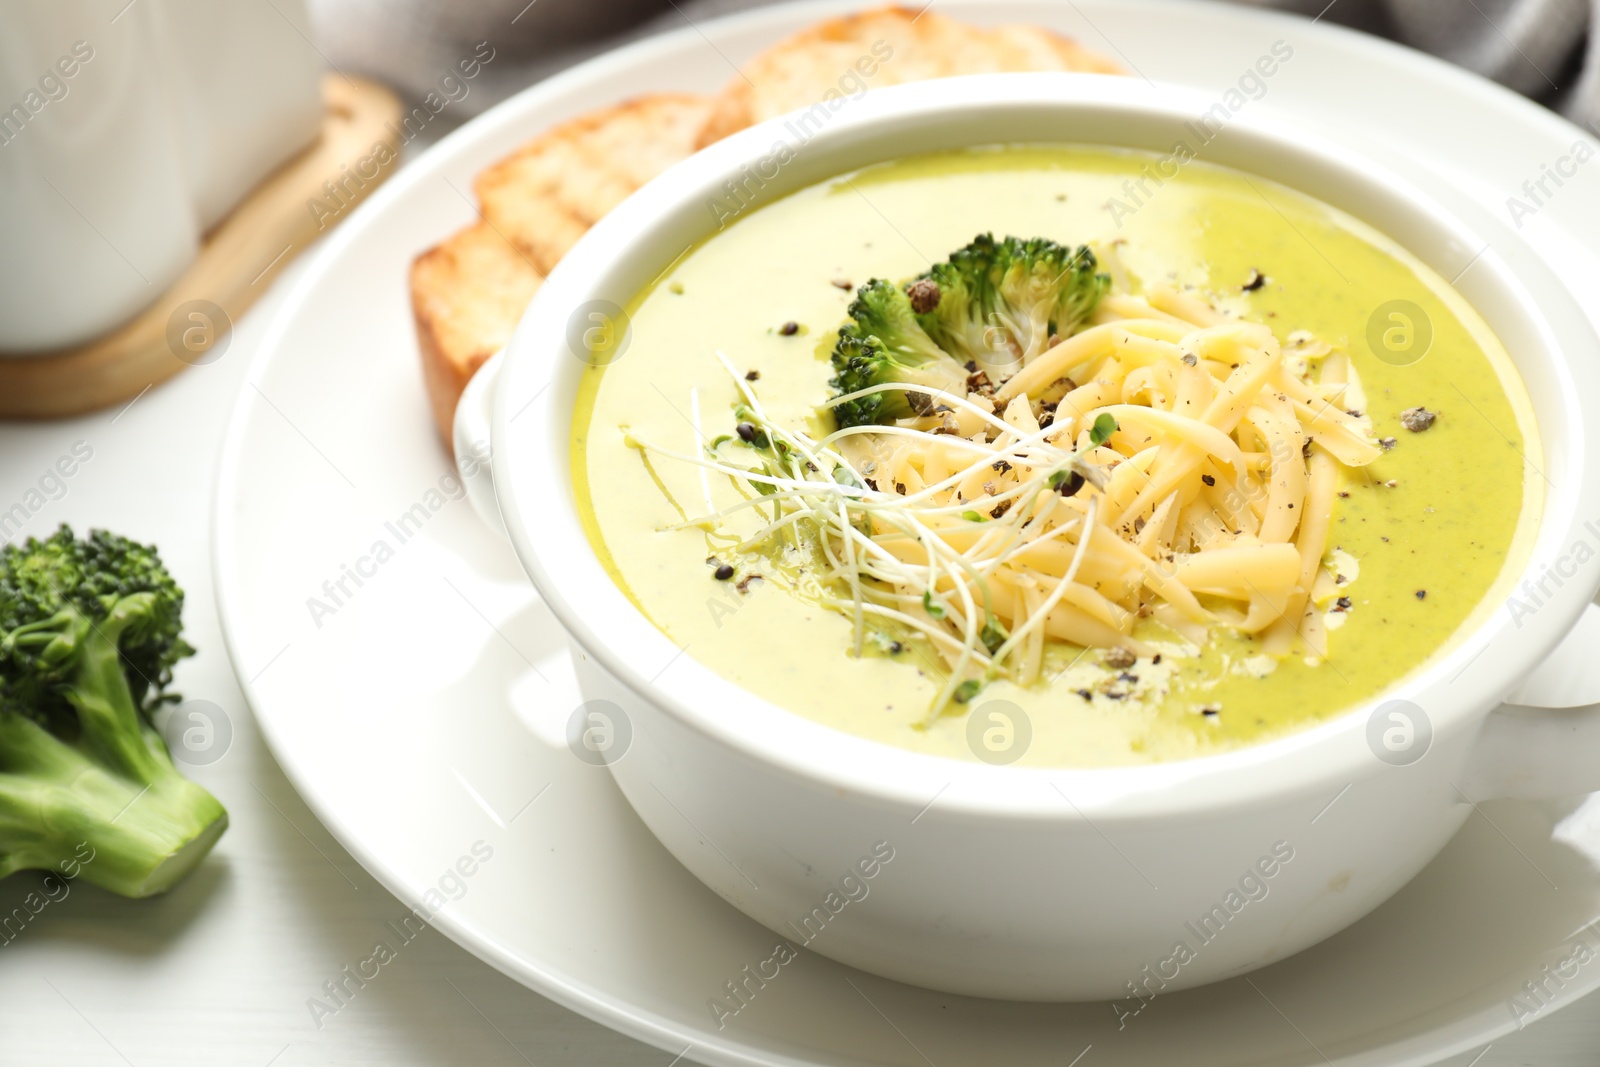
(417, 692)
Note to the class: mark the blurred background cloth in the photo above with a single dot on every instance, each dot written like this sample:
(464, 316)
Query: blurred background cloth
(1540, 48)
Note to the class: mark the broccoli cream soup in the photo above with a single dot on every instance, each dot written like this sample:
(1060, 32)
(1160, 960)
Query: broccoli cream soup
(1169, 468)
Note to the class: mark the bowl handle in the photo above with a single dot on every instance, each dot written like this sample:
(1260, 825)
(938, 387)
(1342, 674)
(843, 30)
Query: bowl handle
(470, 438)
(1545, 741)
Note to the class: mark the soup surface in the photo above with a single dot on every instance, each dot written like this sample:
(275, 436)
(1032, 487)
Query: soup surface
(1418, 539)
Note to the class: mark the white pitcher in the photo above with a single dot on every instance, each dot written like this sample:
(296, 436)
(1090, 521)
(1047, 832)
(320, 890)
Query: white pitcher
(127, 130)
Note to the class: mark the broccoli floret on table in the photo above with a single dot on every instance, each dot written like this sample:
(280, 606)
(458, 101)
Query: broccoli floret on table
(89, 632)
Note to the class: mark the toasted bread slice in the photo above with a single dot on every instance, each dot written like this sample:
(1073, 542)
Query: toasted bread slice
(467, 295)
(887, 46)
(545, 195)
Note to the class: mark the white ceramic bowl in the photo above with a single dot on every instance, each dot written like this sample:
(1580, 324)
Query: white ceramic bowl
(1034, 883)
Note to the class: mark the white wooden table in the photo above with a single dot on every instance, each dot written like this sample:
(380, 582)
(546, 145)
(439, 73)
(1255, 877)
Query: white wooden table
(218, 972)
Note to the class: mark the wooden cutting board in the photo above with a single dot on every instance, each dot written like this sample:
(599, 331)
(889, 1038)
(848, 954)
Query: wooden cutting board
(191, 323)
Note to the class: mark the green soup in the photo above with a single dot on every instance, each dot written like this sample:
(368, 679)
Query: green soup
(1430, 528)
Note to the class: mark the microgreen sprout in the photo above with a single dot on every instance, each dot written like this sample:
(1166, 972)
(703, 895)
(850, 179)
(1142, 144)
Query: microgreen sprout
(994, 635)
(884, 552)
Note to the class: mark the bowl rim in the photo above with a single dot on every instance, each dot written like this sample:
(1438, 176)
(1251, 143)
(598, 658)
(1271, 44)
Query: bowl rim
(533, 471)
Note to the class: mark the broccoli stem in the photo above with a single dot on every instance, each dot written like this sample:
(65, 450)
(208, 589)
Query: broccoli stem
(114, 790)
(128, 837)
(106, 709)
(136, 840)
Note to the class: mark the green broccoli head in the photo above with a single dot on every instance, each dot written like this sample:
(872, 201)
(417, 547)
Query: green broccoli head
(89, 632)
(1045, 289)
(961, 320)
(883, 310)
(1083, 286)
(992, 306)
(884, 345)
(1000, 303)
(51, 591)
